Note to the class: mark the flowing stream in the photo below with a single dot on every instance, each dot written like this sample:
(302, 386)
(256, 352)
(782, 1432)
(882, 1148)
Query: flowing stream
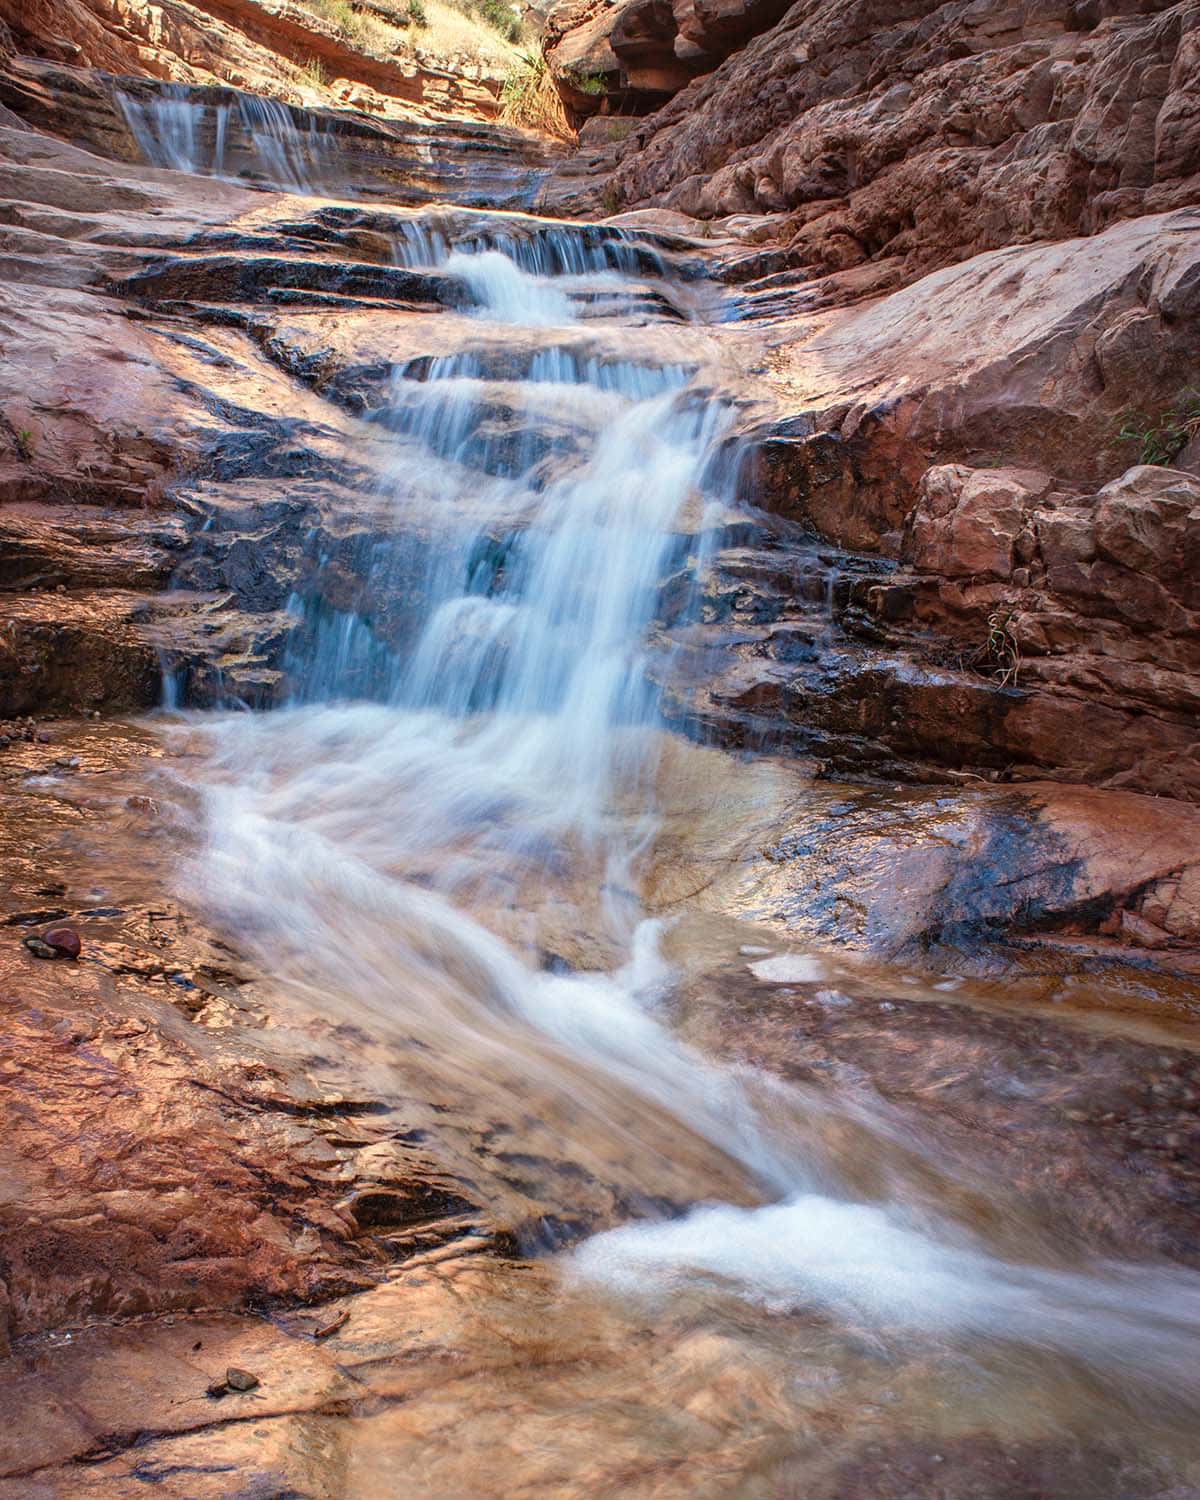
(406, 844)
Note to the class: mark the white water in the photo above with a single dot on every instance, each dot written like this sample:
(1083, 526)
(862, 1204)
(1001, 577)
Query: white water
(174, 128)
(511, 746)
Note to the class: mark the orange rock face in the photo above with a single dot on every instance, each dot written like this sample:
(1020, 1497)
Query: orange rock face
(921, 133)
(261, 45)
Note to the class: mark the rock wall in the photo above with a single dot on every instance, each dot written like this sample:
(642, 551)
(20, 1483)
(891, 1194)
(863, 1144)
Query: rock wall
(920, 133)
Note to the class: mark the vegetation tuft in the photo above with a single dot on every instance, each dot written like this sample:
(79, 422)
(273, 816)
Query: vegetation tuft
(1161, 439)
(1001, 649)
(312, 74)
(590, 83)
(529, 98)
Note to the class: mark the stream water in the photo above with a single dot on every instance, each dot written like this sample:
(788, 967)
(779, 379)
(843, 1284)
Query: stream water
(443, 841)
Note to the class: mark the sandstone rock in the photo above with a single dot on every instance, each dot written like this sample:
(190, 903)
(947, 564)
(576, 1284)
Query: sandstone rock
(933, 133)
(638, 53)
(1137, 930)
(877, 391)
(966, 523)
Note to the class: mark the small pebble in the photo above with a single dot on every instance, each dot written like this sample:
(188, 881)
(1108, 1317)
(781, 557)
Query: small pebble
(39, 949)
(42, 736)
(67, 762)
(240, 1380)
(64, 940)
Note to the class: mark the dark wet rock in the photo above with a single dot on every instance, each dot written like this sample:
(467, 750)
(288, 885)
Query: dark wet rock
(922, 873)
(247, 279)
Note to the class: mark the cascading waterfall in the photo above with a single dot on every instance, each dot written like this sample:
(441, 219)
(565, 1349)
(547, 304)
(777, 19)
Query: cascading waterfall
(378, 836)
(177, 129)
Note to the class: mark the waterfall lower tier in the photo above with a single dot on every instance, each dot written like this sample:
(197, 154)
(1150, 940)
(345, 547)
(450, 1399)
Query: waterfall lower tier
(446, 840)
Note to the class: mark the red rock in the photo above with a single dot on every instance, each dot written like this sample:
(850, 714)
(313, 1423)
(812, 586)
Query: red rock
(925, 136)
(261, 46)
(64, 940)
(1141, 933)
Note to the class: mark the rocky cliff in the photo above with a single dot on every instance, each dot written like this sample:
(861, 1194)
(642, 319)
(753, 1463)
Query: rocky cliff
(913, 133)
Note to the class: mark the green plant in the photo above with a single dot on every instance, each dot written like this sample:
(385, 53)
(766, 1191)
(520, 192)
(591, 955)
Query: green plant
(25, 443)
(501, 17)
(619, 130)
(1161, 439)
(590, 83)
(610, 199)
(312, 74)
(416, 13)
(355, 26)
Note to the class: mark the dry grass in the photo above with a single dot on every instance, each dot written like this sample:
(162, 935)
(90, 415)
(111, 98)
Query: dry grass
(531, 100)
(458, 34)
(449, 31)
(362, 30)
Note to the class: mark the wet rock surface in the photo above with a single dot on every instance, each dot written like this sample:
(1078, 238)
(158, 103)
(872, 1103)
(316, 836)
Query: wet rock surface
(999, 634)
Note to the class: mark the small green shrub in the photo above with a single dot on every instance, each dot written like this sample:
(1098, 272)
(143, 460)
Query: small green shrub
(619, 130)
(416, 13)
(610, 199)
(501, 17)
(1161, 439)
(312, 74)
(590, 83)
(529, 97)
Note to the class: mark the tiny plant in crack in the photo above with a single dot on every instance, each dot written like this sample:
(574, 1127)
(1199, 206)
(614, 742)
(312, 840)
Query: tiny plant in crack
(1161, 439)
(590, 83)
(1001, 649)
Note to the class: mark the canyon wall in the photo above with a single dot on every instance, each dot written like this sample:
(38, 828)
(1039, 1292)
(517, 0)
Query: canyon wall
(913, 132)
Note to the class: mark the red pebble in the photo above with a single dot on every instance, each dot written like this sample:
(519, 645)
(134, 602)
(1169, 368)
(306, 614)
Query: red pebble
(64, 939)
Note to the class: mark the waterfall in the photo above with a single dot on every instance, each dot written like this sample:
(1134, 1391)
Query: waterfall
(189, 131)
(479, 732)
